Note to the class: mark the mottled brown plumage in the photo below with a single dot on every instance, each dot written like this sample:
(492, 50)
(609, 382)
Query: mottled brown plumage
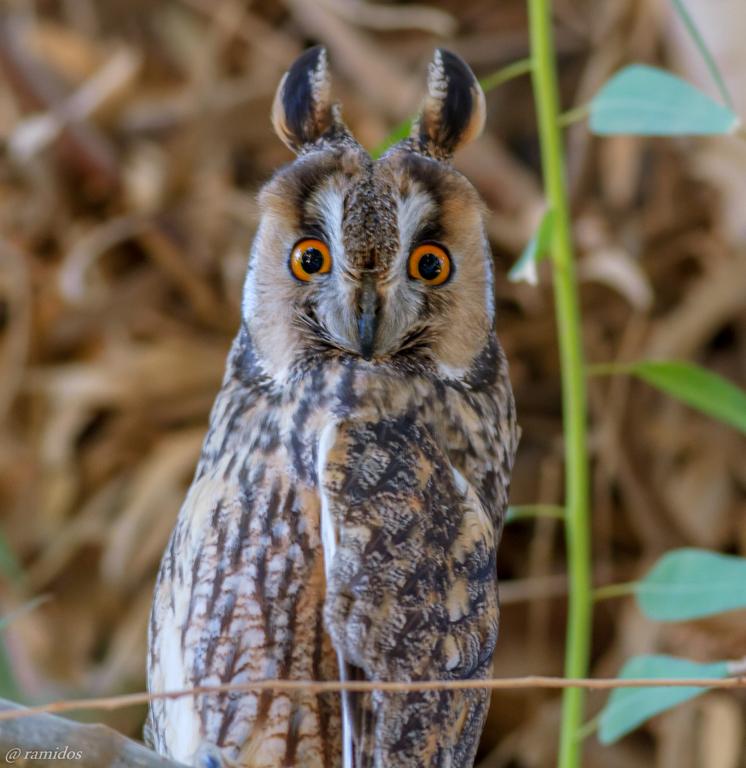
(346, 511)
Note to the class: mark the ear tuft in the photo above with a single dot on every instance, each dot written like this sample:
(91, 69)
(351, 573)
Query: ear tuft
(453, 111)
(303, 110)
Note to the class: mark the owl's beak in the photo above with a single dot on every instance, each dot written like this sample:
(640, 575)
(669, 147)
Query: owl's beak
(368, 320)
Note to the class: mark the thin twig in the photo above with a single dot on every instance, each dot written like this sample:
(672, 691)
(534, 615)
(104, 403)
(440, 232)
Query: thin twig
(331, 686)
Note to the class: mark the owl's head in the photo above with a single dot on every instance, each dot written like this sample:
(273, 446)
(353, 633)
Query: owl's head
(383, 261)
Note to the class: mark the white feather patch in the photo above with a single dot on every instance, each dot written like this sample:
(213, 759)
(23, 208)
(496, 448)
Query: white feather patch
(411, 211)
(329, 201)
(328, 533)
(489, 274)
(329, 545)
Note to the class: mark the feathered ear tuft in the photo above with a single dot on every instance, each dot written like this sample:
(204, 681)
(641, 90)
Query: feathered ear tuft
(453, 111)
(303, 110)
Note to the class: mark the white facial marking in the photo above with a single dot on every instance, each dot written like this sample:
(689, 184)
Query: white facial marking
(329, 200)
(411, 212)
(489, 282)
(249, 298)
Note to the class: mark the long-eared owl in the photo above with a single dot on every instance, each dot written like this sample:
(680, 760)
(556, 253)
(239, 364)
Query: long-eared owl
(345, 514)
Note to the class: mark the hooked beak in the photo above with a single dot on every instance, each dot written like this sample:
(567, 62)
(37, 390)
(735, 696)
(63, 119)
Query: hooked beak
(368, 321)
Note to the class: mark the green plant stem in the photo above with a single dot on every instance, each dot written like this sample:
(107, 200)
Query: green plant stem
(589, 728)
(574, 115)
(704, 51)
(573, 380)
(505, 74)
(488, 83)
(615, 590)
(527, 511)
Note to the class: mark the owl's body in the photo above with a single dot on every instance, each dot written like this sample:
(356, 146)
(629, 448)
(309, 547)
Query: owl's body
(346, 510)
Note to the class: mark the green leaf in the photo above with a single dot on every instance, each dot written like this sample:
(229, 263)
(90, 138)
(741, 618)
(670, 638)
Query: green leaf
(695, 386)
(524, 270)
(647, 101)
(628, 708)
(691, 583)
(704, 51)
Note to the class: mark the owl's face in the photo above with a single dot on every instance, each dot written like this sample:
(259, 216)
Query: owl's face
(383, 261)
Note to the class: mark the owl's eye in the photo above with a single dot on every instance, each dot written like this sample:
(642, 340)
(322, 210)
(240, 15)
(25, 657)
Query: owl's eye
(310, 257)
(430, 263)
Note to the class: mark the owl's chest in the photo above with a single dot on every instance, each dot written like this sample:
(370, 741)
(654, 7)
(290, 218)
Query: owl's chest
(259, 439)
(244, 572)
(247, 551)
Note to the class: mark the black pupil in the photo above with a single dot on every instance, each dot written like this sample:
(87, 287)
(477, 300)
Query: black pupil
(312, 260)
(430, 266)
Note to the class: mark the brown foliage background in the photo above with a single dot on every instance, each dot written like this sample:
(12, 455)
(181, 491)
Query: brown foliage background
(134, 137)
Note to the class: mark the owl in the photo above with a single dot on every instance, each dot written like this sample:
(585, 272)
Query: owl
(344, 517)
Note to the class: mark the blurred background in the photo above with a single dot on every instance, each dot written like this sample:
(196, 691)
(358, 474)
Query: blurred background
(134, 136)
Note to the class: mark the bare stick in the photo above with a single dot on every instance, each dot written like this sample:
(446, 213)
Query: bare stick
(330, 686)
(45, 740)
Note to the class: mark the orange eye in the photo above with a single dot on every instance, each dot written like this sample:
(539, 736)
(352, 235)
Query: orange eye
(430, 263)
(310, 257)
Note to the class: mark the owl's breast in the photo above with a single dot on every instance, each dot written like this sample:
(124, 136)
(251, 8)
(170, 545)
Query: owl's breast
(242, 586)
(240, 597)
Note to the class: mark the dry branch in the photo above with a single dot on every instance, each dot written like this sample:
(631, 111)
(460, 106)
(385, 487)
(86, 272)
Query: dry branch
(737, 680)
(46, 740)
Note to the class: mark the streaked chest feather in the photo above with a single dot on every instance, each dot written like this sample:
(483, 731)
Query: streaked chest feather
(241, 588)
